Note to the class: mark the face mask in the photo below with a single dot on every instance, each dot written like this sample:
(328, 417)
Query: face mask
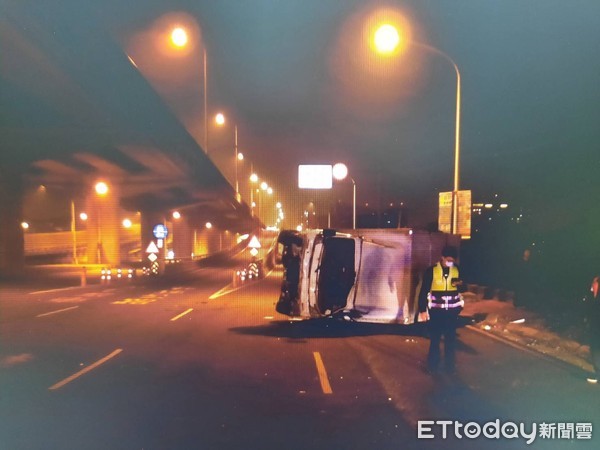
(449, 264)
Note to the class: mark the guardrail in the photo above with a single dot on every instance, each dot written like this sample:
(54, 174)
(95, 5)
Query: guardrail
(61, 242)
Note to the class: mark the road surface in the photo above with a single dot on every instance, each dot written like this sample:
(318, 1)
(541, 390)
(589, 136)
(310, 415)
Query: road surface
(189, 365)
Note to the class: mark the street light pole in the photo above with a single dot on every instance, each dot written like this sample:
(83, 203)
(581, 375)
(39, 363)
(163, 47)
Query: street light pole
(386, 41)
(179, 38)
(205, 103)
(237, 185)
(353, 203)
(454, 223)
(339, 172)
(74, 232)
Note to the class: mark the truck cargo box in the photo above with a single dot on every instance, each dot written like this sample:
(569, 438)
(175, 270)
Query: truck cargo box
(369, 275)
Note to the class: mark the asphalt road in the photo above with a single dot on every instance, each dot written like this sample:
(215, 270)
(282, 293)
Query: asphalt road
(173, 366)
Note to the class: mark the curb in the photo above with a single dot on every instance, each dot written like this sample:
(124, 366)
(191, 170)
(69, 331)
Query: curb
(570, 366)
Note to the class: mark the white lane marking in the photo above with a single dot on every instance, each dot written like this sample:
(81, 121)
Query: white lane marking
(84, 371)
(323, 378)
(57, 311)
(55, 290)
(182, 314)
(229, 288)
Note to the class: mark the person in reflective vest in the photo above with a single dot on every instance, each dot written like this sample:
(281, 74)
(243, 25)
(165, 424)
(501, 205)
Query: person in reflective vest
(440, 302)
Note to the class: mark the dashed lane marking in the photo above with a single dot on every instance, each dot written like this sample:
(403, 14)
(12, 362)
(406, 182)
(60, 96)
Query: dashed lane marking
(84, 371)
(57, 311)
(323, 378)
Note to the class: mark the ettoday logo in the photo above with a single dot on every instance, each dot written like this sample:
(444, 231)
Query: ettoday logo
(432, 429)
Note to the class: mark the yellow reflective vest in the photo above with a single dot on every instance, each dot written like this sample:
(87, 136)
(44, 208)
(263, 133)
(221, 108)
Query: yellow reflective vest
(440, 283)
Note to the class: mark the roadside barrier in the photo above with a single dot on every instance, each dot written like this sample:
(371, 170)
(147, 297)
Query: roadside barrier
(108, 274)
(253, 271)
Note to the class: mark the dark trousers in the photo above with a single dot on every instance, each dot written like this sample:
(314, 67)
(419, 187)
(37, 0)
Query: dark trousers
(442, 322)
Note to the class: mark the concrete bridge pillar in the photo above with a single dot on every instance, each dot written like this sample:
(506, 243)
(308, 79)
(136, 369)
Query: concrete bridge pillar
(104, 223)
(12, 253)
(183, 238)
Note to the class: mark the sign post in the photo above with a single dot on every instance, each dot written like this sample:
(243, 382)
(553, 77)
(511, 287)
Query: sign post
(463, 217)
(152, 251)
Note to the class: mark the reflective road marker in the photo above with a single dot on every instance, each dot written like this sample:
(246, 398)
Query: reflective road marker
(322, 374)
(84, 371)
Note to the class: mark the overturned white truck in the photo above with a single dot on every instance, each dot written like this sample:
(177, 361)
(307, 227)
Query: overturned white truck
(370, 275)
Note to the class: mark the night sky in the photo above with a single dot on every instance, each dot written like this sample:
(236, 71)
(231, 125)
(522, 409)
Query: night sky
(298, 79)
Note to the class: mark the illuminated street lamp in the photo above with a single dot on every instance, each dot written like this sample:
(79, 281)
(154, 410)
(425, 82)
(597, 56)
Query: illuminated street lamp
(101, 188)
(176, 215)
(179, 38)
(127, 223)
(340, 172)
(220, 120)
(386, 40)
(253, 180)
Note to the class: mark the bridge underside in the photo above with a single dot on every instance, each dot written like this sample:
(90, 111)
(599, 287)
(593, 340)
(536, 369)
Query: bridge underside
(74, 112)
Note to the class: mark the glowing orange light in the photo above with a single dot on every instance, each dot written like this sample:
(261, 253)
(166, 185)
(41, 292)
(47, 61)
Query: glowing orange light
(386, 38)
(101, 188)
(179, 37)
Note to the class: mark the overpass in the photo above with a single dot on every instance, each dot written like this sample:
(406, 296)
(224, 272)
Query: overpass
(77, 112)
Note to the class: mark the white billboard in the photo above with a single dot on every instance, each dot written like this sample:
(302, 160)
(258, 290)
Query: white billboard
(315, 176)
